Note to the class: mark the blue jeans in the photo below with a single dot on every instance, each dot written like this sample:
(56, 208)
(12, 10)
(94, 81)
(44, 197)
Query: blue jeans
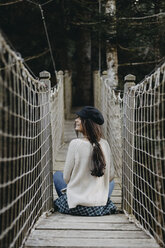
(60, 184)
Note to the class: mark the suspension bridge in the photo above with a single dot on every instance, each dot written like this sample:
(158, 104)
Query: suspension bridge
(35, 129)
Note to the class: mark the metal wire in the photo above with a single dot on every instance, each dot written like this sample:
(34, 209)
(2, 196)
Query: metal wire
(47, 37)
(46, 33)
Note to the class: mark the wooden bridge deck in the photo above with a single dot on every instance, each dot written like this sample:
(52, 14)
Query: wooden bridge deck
(59, 230)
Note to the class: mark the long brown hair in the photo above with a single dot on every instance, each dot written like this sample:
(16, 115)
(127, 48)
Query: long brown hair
(93, 133)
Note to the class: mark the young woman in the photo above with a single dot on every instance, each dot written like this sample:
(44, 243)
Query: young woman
(88, 172)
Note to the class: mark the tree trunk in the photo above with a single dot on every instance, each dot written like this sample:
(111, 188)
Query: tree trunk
(111, 48)
(63, 39)
(84, 95)
(157, 35)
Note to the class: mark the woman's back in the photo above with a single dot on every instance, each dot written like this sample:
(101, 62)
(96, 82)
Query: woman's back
(83, 188)
(88, 169)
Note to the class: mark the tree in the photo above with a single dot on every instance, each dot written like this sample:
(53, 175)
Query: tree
(131, 34)
(111, 49)
(137, 28)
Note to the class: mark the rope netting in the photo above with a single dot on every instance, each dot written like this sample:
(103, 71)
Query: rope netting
(134, 128)
(26, 188)
(110, 104)
(144, 153)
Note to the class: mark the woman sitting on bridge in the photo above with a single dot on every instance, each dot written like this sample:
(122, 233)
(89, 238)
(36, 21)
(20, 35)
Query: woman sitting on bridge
(88, 172)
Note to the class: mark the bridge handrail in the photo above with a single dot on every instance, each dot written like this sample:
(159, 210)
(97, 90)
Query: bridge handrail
(134, 128)
(26, 146)
(144, 153)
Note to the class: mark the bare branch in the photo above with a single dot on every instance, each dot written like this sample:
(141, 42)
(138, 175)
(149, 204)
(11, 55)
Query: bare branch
(84, 23)
(26, 59)
(140, 63)
(131, 48)
(49, 1)
(10, 3)
(142, 17)
(36, 56)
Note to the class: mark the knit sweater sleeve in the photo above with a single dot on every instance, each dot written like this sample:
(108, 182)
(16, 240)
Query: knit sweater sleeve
(69, 162)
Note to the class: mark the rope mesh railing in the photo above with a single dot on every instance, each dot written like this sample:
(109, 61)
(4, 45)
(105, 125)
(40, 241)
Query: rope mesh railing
(141, 116)
(144, 153)
(26, 149)
(110, 104)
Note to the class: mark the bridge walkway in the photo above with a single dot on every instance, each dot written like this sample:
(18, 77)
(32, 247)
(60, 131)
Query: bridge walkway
(59, 230)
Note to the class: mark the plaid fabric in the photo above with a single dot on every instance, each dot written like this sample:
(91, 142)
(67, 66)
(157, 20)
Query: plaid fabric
(62, 205)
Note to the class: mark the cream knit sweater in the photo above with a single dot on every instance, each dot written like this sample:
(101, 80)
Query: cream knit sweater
(83, 188)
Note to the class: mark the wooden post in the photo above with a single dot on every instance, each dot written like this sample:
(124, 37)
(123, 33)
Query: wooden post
(128, 143)
(96, 75)
(45, 78)
(67, 94)
(45, 97)
(103, 101)
(60, 76)
(104, 74)
(111, 46)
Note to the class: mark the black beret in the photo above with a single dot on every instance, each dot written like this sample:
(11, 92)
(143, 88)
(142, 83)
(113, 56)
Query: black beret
(89, 112)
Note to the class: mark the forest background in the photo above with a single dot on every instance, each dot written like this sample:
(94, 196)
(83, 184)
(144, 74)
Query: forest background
(82, 33)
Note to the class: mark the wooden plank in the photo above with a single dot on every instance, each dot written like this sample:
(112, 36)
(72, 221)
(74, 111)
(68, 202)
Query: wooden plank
(88, 234)
(117, 186)
(118, 205)
(70, 135)
(116, 199)
(63, 151)
(61, 158)
(69, 124)
(86, 226)
(64, 146)
(70, 132)
(69, 138)
(81, 243)
(116, 218)
(60, 230)
(116, 192)
(118, 180)
(58, 166)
